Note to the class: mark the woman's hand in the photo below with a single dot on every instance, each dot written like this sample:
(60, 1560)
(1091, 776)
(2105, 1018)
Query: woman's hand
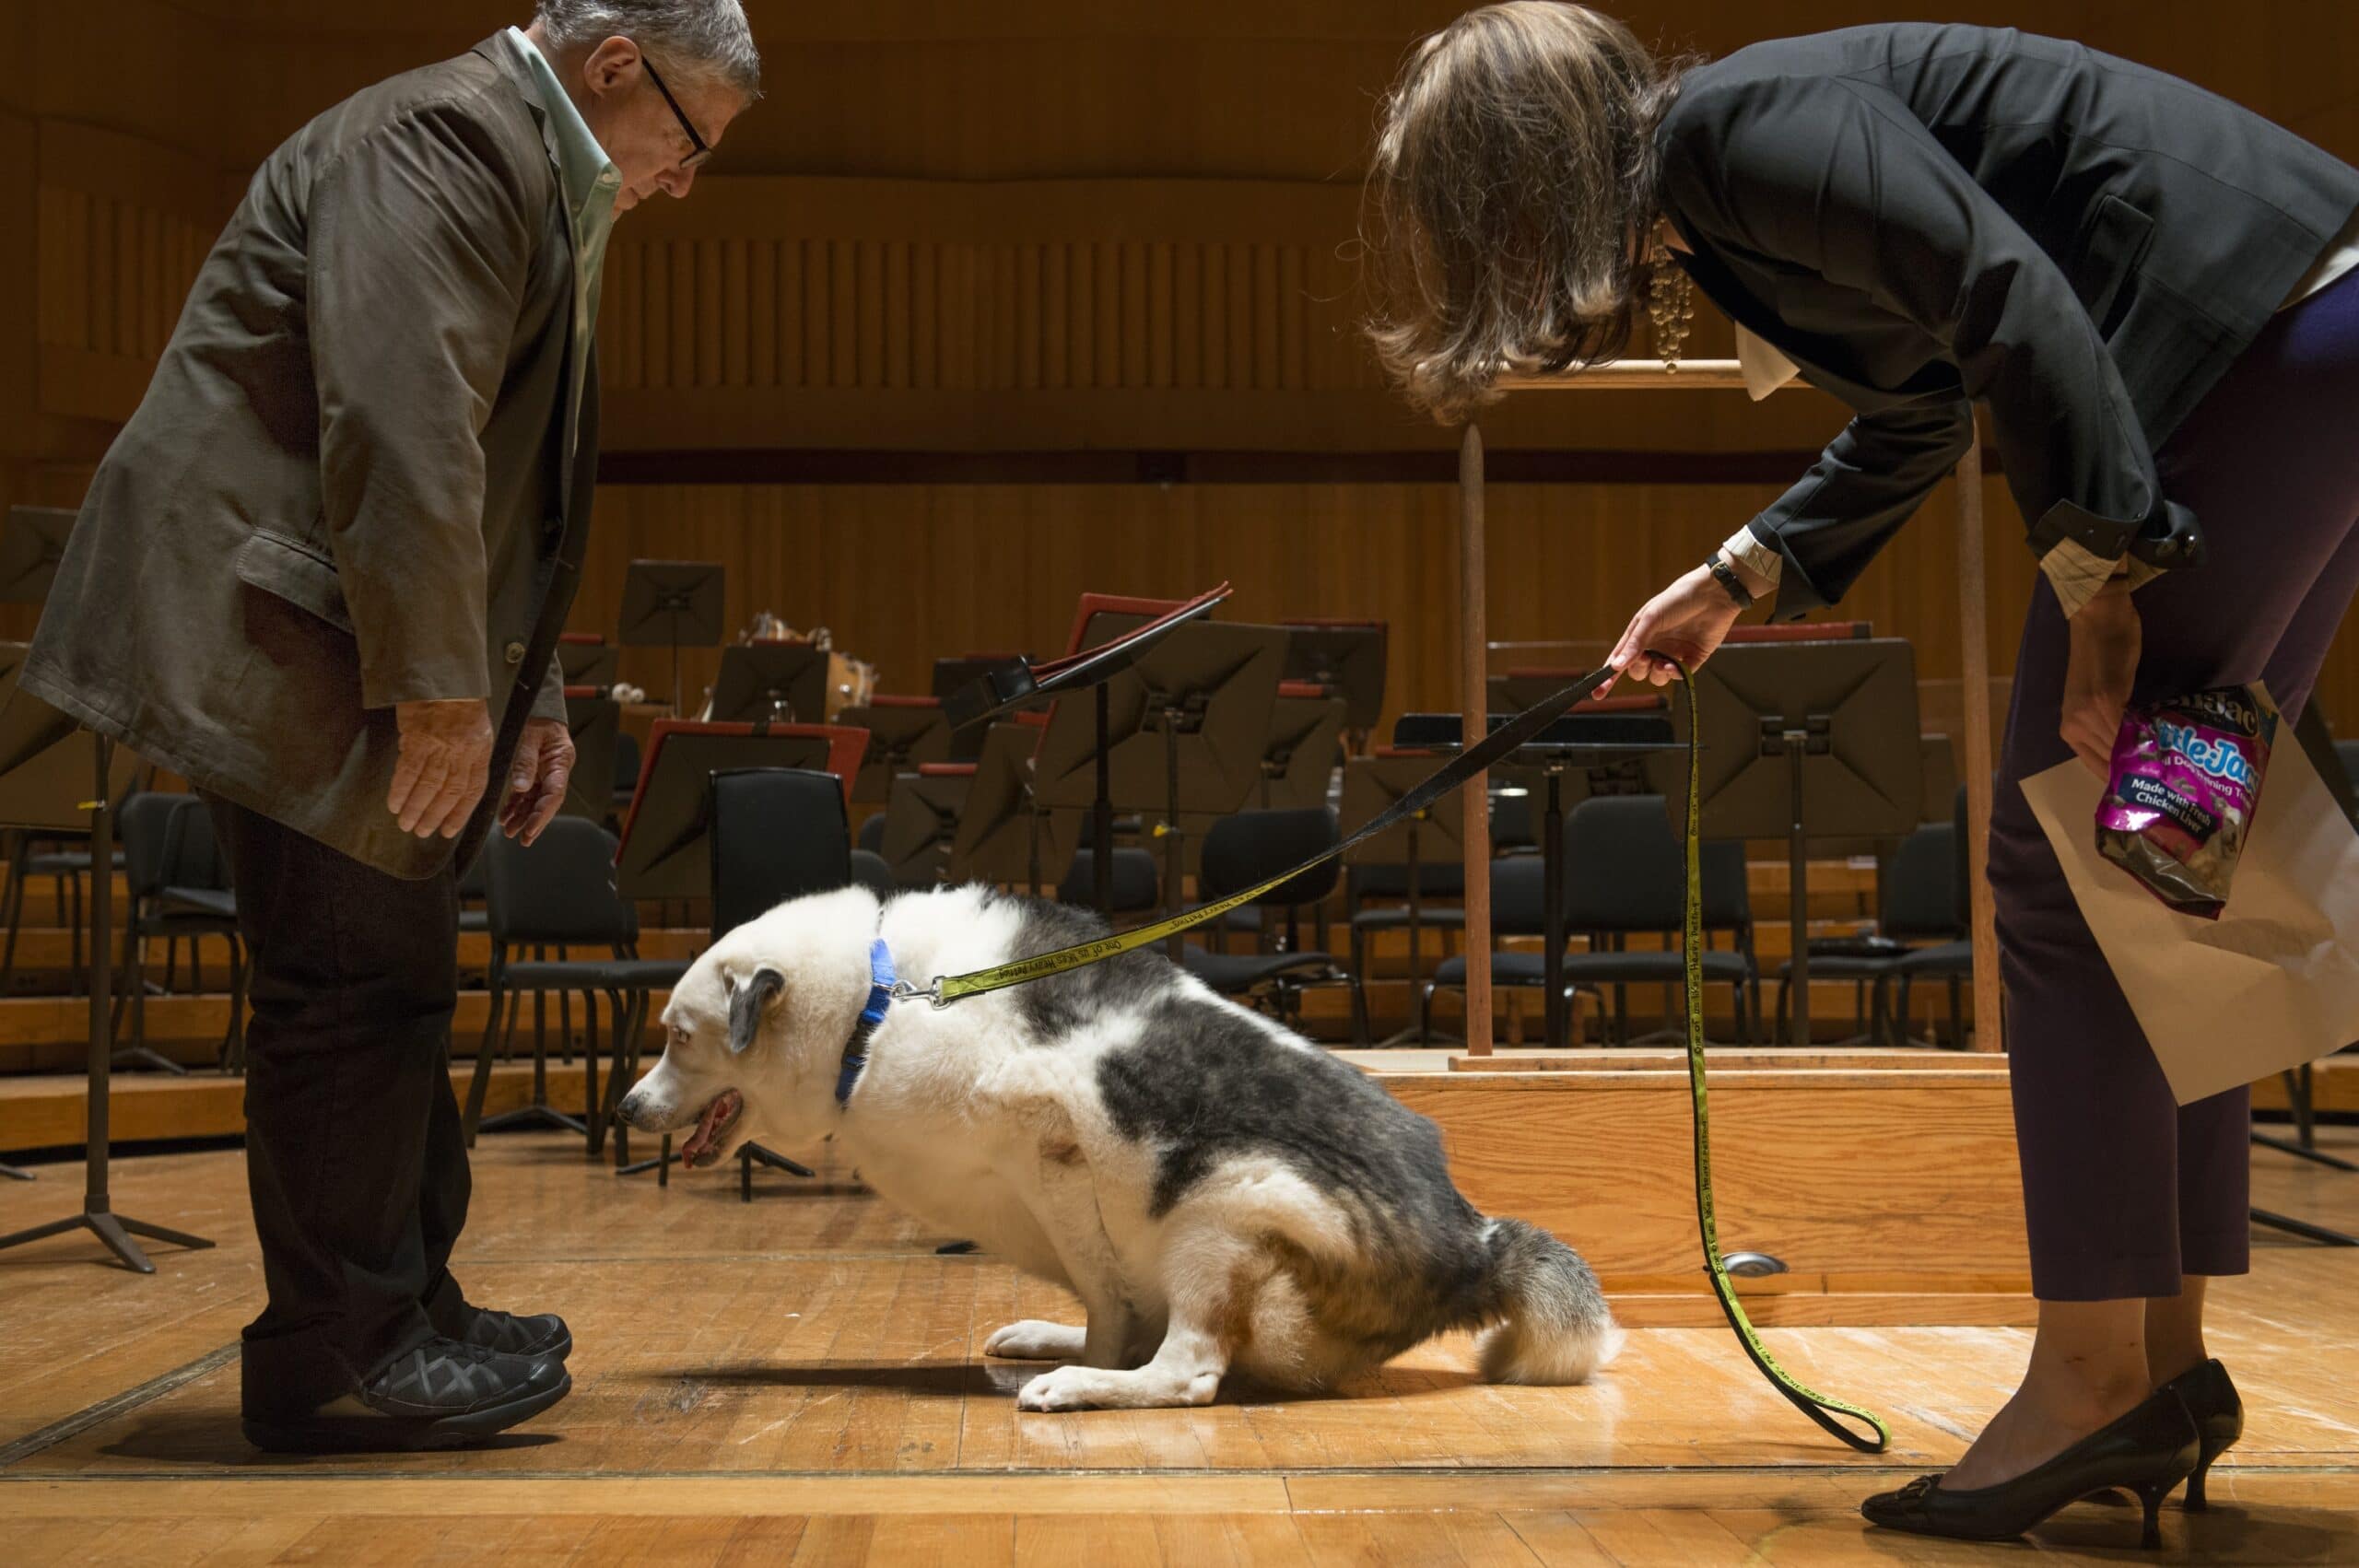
(2106, 637)
(1687, 621)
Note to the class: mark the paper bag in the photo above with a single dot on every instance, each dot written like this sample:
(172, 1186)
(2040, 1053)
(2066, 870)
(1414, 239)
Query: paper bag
(2269, 984)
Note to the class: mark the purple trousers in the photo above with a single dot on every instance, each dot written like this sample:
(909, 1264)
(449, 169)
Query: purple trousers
(2124, 1190)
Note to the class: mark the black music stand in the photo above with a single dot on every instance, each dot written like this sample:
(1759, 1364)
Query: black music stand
(903, 736)
(666, 848)
(1436, 835)
(589, 663)
(1348, 659)
(672, 604)
(595, 724)
(1003, 837)
(1807, 741)
(1611, 751)
(1305, 744)
(1190, 723)
(1020, 684)
(956, 675)
(922, 822)
(29, 730)
(782, 683)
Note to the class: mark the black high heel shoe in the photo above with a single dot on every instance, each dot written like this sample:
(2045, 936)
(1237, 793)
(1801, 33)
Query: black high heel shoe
(2219, 1415)
(2149, 1451)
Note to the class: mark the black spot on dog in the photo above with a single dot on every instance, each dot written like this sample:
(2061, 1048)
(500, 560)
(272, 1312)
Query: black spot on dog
(1059, 1004)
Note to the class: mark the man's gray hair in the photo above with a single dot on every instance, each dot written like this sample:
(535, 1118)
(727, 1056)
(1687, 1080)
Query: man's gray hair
(705, 39)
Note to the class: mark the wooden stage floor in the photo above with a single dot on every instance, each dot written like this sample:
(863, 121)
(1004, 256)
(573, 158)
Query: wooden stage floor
(800, 1381)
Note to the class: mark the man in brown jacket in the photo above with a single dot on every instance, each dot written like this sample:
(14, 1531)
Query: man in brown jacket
(321, 575)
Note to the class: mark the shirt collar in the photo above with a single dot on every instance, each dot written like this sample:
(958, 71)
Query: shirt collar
(584, 170)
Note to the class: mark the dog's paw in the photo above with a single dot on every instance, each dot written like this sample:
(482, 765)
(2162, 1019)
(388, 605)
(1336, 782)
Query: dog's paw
(1067, 1389)
(1035, 1340)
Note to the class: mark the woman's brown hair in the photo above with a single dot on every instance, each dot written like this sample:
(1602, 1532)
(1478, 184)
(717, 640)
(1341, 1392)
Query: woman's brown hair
(1515, 168)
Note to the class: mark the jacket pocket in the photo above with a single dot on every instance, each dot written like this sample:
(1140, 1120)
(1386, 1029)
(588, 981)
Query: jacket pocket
(2113, 245)
(292, 571)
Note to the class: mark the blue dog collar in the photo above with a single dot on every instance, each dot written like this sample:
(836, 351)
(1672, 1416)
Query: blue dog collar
(881, 976)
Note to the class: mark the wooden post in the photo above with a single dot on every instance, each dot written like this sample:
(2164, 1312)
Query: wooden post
(1974, 640)
(1474, 703)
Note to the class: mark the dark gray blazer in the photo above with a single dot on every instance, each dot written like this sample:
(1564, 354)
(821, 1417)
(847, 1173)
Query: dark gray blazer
(1921, 215)
(349, 483)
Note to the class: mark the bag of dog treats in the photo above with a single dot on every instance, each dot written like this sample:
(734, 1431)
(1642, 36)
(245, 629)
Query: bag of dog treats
(2187, 777)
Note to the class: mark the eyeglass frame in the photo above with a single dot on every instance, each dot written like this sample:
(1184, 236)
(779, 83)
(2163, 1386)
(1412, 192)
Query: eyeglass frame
(702, 149)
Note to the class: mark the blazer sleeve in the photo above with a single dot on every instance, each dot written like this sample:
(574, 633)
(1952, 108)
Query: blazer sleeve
(419, 252)
(1838, 177)
(549, 701)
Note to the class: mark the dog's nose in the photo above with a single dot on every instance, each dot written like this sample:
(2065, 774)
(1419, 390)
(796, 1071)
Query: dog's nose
(629, 1111)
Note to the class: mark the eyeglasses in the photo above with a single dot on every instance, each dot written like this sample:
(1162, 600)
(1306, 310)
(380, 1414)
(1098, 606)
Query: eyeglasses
(701, 151)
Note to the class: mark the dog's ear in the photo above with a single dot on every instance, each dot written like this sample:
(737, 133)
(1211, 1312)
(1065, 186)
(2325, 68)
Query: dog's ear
(746, 1004)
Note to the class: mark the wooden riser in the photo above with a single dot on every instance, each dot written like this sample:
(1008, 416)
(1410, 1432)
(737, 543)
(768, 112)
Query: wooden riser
(1872, 1229)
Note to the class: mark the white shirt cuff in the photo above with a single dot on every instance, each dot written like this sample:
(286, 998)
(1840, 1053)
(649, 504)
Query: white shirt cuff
(1753, 555)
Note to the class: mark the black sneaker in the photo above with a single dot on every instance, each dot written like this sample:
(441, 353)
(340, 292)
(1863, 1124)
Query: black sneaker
(543, 1334)
(445, 1393)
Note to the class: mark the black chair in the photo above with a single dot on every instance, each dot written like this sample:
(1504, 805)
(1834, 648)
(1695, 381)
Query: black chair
(1363, 883)
(626, 770)
(560, 893)
(178, 885)
(778, 833)
(1137, 888)
(65, 860)
(1625, 874)
(1949, 961)
(1518, 908)
(871, 836)
(1250, 847)
(869, 870)
(1916, 905)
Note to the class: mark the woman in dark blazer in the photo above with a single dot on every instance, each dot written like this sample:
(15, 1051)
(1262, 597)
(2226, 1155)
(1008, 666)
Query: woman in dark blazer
(2150, 289)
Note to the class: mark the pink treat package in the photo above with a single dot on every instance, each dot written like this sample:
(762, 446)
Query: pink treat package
(2186, 781)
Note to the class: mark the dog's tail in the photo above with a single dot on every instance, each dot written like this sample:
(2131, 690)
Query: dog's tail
(1554, 1325)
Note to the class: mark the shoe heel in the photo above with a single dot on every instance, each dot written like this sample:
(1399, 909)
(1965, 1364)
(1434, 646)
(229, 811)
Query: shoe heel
(2196, 1501)
(2151, 1496)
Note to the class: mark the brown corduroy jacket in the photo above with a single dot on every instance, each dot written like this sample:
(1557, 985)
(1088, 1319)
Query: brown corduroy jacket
(350, 483)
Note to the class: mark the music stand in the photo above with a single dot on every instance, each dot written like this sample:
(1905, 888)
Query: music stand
(1612, 744)
(1348, 659)
(956, 675)
(590, 663)
(783, 682)
(921, 820)
(905, 733)
(1807, 741)
(1004, 837)
(594, 721)
(1305, 744)
(30, 733)
(672, 604)
(1436, 835)
(666, 840)
(1134, 627)
(1189, 724)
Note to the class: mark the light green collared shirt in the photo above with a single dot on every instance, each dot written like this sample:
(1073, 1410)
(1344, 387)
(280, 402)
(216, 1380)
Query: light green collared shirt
(589, 183)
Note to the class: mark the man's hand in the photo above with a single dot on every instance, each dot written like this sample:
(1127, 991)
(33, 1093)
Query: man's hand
(536, 779)
(1688, 621)
(2098, 671)
(445, 757)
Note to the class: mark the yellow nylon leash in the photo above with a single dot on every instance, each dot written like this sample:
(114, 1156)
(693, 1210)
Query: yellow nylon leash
(1516, 733)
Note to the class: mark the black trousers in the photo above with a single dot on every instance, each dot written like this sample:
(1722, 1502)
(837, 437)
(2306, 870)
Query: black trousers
(354, 1153)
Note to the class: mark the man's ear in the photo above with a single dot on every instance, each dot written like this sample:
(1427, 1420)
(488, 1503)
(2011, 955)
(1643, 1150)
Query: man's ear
(746, 1005)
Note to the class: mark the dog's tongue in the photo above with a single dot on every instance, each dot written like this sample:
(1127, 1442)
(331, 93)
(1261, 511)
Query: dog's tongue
(724, 1105)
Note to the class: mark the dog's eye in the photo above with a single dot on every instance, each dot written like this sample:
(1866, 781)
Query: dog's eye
(676, 1036)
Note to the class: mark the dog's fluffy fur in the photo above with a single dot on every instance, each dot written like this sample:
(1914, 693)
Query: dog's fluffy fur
(1219, 1192)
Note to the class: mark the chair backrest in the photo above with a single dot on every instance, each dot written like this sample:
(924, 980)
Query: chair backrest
(1728, 895)
(1135, 886)
(1519, 905)
(778, 833)
(626, 760)
(1919, 897)
(871, 836)
(558, 893)
(1624, 868)
(869, 870)
(1436, 879)
(1250, 847)
(167, 842)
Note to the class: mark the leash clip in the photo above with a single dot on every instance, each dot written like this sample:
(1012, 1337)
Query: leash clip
(903, 991)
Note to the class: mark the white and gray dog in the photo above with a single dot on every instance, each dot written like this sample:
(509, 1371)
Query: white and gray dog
(1217, 1190)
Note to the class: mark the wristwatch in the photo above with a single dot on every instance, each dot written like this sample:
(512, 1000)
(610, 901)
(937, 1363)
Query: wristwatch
(1725, 575)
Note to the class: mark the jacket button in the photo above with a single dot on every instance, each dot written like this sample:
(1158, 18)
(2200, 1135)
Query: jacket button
(515, 653)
